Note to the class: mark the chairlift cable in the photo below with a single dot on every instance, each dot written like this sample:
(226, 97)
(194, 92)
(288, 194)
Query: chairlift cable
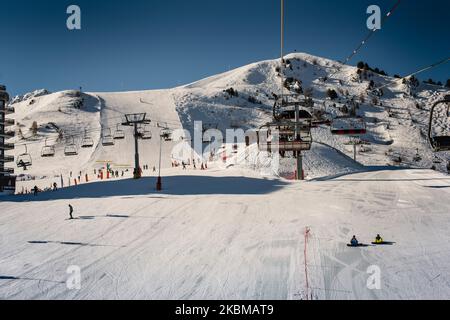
(366, 38)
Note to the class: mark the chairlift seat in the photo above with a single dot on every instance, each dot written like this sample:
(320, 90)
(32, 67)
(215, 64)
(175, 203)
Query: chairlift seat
(24, 160)
(107, 141)
(285, 146)
(48, 151)
(348, 126)
(441, 143)
(70, 150)
(290, 114)
(87, 143)
(119, 134)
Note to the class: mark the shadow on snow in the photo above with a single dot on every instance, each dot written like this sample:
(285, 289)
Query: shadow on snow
(173, 185)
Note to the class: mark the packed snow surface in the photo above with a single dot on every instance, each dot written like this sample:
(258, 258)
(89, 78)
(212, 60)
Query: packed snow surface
(231, 236)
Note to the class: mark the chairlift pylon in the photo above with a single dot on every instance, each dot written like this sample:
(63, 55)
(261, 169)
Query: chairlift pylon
(47, 150)
(24, 160)
(442, 142)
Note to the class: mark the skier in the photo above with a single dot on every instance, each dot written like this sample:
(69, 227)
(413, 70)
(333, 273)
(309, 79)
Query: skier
(354, 242)
(36, 190)
(184, 165)
(378, 239)
(22, 164)
(70, 212)
(55, 187)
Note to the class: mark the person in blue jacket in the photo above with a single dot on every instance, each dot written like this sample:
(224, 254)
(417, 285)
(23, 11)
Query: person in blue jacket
(354, 242)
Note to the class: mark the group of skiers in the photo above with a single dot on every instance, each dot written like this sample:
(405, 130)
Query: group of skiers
(354, 242)
(203, 165)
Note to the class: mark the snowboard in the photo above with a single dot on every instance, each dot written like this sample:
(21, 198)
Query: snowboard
(358, 246)
(384, 243)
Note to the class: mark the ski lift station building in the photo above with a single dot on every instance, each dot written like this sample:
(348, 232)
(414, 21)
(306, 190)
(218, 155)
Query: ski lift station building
(7, 178)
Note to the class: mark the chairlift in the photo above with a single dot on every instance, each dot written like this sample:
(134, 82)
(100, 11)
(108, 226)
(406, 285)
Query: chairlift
(284, 109)
(350, 126)
(281, 137)
(70, 149)
(436, 160)
(290, 115)
(107, 138)
(87, 141)
(438, 143)
(417, 157)
(24, 160)
(146, 133)
(166, 134)
(47, 150)
(119, 134)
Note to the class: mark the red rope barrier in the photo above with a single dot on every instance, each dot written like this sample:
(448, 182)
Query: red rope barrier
(306, 264)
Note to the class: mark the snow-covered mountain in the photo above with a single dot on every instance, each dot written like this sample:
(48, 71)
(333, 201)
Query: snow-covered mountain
(397, 121)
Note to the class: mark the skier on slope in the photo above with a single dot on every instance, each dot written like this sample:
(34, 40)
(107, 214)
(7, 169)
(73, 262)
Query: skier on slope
(70, 212)
(378, 239)
(354, 242)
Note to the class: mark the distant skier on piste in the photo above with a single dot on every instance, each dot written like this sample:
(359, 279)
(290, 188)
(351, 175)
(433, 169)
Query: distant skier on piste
(70, 212)
(378, 239)
(354, 242)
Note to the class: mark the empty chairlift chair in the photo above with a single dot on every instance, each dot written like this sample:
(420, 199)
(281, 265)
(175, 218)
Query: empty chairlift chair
(47, 150)
(350, 126)
(87, 141)
(438, 142)
(119, 134)
(24, 160)
(146, 133)
(70, 149)
(107, 138)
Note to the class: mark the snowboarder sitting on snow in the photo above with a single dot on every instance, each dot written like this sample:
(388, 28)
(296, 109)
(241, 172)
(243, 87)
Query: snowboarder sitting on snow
(378, 239)
(354, 242)
(70, 212)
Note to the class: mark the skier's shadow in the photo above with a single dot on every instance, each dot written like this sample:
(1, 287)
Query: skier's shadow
(105, 216)
(69, 243)
(28, 279)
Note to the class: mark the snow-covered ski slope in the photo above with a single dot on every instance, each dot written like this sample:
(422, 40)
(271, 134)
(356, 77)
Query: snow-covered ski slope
(231, 235)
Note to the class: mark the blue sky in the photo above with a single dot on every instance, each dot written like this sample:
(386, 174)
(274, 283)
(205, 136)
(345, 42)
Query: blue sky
(149, 44)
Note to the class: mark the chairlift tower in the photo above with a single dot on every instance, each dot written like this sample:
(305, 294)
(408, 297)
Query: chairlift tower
(7, 179)
(135, 119)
